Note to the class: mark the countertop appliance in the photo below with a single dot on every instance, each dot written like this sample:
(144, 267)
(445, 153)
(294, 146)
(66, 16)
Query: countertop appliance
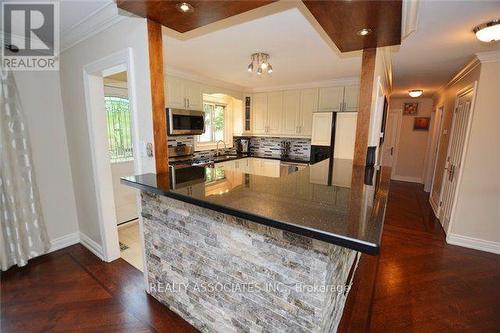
(185, 122)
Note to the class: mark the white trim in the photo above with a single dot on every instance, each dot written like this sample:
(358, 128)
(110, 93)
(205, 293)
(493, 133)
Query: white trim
(399, 113)
(471, 65)
(409, 20)
(97, 21)
(464, 91)
(64, 241)
(490, 56)
(314, 84)
(473, 243)
(434, 206)
(92, 246)
(407, 179)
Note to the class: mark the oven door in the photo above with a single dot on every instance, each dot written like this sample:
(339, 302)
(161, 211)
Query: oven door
(185, 122)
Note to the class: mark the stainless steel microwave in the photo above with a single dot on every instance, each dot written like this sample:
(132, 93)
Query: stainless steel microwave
(185, 122)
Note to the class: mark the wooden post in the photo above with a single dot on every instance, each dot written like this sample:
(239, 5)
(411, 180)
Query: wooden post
(365, 104)
(160, 138)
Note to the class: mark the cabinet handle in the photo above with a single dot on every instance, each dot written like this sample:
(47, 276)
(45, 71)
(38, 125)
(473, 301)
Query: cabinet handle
(187, 101)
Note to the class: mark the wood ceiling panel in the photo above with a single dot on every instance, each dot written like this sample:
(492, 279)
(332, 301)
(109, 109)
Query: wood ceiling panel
(341, 20)
(205, 12)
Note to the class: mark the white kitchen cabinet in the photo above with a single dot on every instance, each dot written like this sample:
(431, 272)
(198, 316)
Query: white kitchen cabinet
(331, 98)
(194, 95)
(274, 112)
(175, 93)
(308, 105)
(351, 96)
(260, 113)
(183, 94)
(322, 125)
(291, 112)
(345, 135)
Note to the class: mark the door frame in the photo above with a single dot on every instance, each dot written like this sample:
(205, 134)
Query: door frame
(93, 74)
(472, 87)
(398, 113)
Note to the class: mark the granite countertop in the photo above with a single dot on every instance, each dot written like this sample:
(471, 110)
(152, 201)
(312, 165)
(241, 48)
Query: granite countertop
(332, 200)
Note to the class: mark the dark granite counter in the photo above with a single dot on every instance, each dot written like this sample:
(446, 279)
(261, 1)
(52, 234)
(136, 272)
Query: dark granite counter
(332, 201)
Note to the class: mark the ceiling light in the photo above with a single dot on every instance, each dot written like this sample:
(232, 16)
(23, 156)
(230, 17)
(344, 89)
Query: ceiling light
(184, 7)
(364, 32)
(261, 62)
(415, 93)
(488, 32)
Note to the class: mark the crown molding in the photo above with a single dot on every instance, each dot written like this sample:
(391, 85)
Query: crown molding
(490, 56)
(459, 76)
(306, 85)
(99, 20)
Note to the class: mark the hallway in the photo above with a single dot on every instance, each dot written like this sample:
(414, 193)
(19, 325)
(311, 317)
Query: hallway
(423, 284)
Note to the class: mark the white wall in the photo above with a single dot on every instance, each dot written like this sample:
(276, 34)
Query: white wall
(40, 96)
(476, 220)
(130, 32)
(412, 145)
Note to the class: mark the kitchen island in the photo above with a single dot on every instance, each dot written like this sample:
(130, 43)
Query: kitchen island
(250, 245)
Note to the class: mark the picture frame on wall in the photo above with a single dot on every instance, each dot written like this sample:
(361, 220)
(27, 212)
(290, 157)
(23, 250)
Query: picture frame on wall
(421, 123)
(410, 109)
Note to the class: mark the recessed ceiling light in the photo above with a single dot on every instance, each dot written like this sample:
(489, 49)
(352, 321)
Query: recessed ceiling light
(184, 7)
(488, 32)
(415, 93)
(364, 32)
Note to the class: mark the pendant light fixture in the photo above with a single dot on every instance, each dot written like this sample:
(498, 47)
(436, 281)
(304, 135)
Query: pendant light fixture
(260, 61)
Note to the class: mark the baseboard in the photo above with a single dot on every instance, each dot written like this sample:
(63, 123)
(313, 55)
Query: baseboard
(473, 243)
(91, 245)
(64, 241)
(407, 179)
(434, 207)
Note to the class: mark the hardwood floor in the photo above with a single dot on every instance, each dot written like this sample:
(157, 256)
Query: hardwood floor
(423, 285)
(426, 285)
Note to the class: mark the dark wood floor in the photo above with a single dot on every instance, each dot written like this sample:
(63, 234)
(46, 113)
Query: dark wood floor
(423, 285)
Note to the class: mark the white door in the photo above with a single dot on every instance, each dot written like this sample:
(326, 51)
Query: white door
(345, 135)
(194, 97)
(390, 137)
(175, 93)
(322, 129)
(331, 98)
(291, 109)
(308, 105)
(459, 131)
(260, 113)
(274, 112)
(351, 96)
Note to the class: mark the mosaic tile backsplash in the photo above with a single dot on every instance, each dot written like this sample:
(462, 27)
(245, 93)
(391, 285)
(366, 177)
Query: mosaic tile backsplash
(262, 146)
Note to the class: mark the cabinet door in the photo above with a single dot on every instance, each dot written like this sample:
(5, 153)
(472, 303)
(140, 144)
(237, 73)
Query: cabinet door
(260, 113)
(194, 96)
(351, 95)
(308, 105)
(291, 112)
(345, 135)
(270, 168)
(331, 98)
(322, 128)
(174, 93)
(274, 112)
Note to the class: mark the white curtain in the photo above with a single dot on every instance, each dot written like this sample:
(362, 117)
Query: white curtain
(22, 231)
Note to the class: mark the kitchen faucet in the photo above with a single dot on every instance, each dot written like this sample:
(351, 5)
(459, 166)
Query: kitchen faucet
(217, 153)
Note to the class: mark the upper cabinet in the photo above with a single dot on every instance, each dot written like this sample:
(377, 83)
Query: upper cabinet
(183, 94)
(338, 99)
(274, 112)
(291, 112)
(260, 113)
(308, 105)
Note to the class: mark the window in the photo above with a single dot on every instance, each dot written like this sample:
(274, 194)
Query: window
(215, 119)
(119, 129)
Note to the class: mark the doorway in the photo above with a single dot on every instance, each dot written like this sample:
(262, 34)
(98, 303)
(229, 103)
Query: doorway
(121, 157)
(454, 158)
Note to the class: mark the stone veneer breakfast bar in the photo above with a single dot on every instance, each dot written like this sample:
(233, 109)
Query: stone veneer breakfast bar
(232, 250)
